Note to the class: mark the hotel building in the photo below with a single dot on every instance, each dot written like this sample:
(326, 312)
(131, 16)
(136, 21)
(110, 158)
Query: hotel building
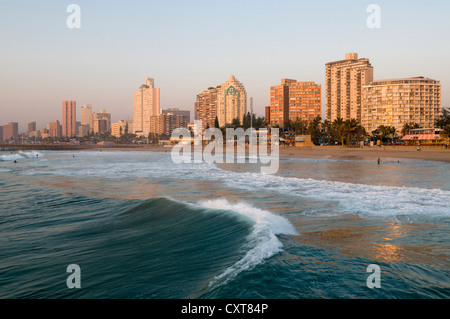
(294, 100)
(344, 82)
(145, 105)
(231, 101)
(399, 101)
(226, 102)
(69, 118)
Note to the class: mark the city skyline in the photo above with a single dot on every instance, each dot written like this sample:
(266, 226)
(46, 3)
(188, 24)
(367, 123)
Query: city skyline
(56, 61)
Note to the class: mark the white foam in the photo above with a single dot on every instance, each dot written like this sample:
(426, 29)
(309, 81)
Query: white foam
(12, 157)
(32, 154)
(262, 242)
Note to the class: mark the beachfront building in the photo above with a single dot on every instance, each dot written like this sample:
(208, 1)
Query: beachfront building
(424, 136)
(69, 115)
(396, 102)
(206, 107)
(145, 105)
(344, 82)
(294, 100)
(165, 124)
(231, 101)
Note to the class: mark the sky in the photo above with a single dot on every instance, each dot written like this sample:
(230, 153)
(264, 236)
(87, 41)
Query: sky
(188, 46)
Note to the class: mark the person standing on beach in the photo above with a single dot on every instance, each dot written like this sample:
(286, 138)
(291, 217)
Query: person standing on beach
(379, 161)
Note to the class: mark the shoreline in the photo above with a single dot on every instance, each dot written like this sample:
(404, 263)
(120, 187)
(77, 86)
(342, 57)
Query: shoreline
(428, 153)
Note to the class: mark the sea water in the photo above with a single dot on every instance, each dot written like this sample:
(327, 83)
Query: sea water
(140, 226)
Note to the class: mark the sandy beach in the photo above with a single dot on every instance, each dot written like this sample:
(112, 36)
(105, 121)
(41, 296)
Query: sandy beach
(370, 153)
(429, 153)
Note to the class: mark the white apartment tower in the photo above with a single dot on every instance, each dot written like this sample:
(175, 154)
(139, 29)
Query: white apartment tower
(145, 105)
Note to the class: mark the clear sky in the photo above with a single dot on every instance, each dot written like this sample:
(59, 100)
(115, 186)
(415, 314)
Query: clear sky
(187, 46)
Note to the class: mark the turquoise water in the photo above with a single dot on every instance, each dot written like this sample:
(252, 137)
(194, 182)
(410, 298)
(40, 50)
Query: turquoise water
(140, 226)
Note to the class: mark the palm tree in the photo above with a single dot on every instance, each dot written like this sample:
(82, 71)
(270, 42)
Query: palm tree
(337, 128)
(350, 129)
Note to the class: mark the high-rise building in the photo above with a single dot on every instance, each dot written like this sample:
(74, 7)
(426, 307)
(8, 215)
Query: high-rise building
(166, 123)
(10, 131)
(86, 111)
(54, 129)
(182, 116)
(31, 128)
(145, 105)
(344, 82)
(231, 101)
(399, 101)
(69, 118)
(279, 103)
(206, 107)
(294, 100)
(1, 133)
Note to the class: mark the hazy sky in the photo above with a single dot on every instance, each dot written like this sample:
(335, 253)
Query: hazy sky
(187, 46)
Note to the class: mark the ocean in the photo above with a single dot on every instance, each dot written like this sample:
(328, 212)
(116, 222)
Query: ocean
(140, 226)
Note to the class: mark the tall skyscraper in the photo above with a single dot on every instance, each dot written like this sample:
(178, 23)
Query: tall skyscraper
(206, 107)
(145, 105)
(86, 111)
(1, 133)
(399, 101)
(294, 100)
(69, 118)
(231, 101)
(344, 81)
(31, 128)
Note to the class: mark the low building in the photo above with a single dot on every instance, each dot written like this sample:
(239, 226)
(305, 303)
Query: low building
(424, 136)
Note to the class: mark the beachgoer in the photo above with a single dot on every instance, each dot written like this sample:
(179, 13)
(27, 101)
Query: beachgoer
(15, 161)
(379, 160)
